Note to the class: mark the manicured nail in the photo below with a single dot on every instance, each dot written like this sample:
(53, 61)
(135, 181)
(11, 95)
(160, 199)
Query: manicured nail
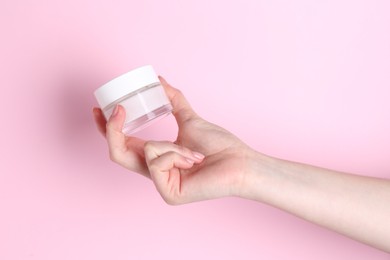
(198, 155)
(115, 112)
(161, 78)
(95, 110)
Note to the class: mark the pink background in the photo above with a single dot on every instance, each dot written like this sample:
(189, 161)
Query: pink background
(302, 80)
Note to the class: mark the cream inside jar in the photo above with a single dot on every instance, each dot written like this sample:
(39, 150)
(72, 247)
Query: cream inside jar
(140, 93)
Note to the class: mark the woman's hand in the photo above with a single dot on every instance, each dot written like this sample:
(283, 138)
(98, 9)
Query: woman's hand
(204, 162)
(207, 162)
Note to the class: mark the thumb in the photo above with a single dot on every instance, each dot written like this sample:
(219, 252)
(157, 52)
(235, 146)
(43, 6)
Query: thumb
(182, 110)
(114, 135)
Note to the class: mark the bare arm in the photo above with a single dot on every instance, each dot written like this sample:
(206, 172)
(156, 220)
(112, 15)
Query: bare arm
(207, 162)
(356, 206)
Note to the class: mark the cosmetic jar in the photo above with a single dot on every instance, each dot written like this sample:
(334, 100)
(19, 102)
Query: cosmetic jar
(141, 94)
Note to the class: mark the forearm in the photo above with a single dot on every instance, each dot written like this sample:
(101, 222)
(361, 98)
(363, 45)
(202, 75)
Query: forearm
(356, 206)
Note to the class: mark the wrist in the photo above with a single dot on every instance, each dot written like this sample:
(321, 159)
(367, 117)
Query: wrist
(253, 178)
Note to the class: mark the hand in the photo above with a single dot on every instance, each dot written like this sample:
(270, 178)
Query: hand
(205, 161)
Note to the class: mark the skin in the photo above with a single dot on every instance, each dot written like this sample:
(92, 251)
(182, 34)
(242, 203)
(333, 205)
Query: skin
(207, 162)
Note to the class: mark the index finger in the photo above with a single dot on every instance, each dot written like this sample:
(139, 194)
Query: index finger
(99, 120)
(182, 110)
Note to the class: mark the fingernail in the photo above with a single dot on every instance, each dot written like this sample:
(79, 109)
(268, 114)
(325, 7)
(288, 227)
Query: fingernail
(190, 161)
(161, 78)
(115, 112)
(198, 155)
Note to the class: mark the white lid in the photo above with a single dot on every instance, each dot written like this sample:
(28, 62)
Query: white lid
(125, 84)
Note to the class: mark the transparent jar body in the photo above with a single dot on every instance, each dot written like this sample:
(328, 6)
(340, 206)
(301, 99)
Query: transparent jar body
(142, 106)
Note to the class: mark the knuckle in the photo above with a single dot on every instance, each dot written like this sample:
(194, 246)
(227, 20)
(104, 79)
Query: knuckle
(182, 150)
(149, 145)
(148, 148)
(171, 154)
(170, 201)
(114, 155)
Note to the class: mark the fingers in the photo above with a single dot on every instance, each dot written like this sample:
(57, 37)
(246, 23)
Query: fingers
(165, 160)
(127, 151)
(165, 173)
(99, 120)
(181, 108)
(115, 138)
(154, 150)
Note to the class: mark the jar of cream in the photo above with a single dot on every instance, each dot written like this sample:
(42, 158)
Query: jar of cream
(140, 93)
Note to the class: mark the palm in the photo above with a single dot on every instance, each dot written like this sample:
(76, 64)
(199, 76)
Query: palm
(211, 178)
